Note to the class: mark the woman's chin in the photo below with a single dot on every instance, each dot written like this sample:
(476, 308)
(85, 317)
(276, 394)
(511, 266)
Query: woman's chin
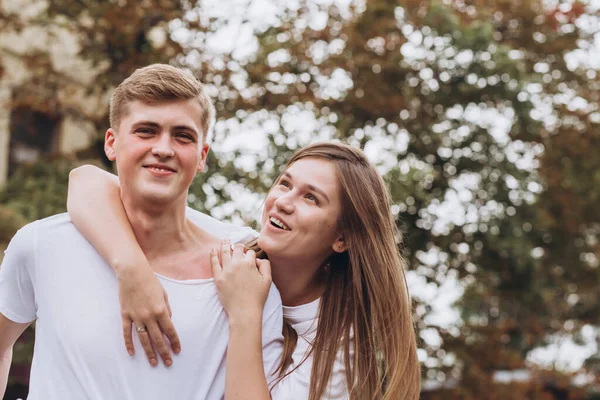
(263, 243)
(269, 245)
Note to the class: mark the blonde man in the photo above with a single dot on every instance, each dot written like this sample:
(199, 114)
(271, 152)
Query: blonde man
(159, 118)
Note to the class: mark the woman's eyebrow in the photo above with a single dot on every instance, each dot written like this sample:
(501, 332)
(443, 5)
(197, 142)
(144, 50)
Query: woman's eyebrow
(309, 186)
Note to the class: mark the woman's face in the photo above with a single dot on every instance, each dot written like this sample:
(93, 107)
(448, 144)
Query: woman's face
(299, 221)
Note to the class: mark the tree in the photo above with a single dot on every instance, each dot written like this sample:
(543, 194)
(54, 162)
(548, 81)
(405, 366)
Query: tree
(430, 83)
(484, 127)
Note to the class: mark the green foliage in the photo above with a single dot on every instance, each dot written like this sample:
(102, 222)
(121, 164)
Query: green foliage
(429, 85)
(10, 222)
(39, 190)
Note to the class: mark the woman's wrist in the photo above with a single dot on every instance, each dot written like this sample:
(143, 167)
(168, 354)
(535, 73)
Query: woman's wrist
(124, 268)
(245, 319)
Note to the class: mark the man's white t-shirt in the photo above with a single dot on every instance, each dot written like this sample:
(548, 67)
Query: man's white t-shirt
(296, 386)
(51, 274)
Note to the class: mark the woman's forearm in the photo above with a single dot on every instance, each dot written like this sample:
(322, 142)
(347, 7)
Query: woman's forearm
(245, 370)
(95, 207)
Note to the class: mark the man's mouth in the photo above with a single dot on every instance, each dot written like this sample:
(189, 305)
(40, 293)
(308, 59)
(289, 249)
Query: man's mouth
(159, 168)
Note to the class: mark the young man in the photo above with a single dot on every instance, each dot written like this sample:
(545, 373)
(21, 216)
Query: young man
(160, 117)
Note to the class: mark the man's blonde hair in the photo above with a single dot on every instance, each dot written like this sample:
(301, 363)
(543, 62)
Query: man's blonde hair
(158, 83)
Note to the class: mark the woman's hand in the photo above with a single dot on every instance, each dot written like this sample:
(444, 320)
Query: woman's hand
(243, 282)
(144, 303)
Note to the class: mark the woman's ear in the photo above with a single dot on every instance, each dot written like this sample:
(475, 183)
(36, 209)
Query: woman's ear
(339, 246)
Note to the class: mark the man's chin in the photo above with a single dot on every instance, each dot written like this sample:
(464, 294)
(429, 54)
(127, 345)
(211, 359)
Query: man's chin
(154, 197)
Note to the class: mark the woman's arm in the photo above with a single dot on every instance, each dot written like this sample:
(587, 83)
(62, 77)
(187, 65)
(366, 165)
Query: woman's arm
(243, 290)
(95, 207)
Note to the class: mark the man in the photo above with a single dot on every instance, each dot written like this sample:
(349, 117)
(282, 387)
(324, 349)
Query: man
(160, 117)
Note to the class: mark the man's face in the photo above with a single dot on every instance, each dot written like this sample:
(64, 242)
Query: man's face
(158, 150)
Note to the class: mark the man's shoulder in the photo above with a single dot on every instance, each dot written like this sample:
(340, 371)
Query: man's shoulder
(55, 226)
(25, 243)
(237, 234)
(56, 221)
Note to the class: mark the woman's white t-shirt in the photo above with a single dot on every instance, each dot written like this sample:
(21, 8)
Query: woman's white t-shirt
(296, 385)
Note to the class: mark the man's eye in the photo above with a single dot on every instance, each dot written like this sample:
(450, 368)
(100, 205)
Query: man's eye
(185, 136)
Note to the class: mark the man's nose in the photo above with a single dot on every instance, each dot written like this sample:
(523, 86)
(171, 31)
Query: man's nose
(162, 146)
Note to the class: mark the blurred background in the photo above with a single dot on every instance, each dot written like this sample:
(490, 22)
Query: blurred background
(483, 117)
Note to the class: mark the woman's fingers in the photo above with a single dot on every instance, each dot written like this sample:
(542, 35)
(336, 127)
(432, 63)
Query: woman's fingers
(166, 326)
(217, 270)
(238, 251)
(168, 306)
(144, 336)
(127, 336)
(225, 254)
(264, 267)
(250, 259)
(158, 342)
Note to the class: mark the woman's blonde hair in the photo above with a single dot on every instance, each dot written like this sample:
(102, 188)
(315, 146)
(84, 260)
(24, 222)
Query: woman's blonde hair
(366, 300)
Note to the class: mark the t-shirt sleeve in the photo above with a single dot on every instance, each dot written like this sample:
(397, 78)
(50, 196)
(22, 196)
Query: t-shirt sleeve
(17, 298)
(272, 337)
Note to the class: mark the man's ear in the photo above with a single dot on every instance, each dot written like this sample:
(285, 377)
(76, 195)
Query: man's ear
(203, 155)
(109, 144)
(340, 245)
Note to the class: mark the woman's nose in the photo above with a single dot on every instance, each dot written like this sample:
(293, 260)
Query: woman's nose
(285, 203)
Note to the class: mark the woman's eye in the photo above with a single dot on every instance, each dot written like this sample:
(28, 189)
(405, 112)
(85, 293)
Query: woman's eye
(312, 198)
(284, 183)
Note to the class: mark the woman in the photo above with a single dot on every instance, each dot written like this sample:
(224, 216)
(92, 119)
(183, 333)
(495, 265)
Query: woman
(330, 238)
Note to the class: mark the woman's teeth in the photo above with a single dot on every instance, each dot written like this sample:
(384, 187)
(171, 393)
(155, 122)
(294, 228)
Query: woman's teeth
(279, 224)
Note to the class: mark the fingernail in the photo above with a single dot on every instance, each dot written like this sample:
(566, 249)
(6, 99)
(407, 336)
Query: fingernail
(177, 350)
(153, 362)
(130, 352)
(168, 363)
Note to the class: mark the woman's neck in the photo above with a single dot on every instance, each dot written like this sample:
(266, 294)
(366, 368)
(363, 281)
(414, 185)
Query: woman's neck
(298, 284)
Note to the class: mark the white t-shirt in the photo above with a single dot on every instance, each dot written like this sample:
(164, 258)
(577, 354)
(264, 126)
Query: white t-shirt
(296, 385)
(53, 275)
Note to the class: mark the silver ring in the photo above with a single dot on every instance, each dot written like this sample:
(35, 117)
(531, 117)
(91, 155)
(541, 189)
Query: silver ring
(142, 328)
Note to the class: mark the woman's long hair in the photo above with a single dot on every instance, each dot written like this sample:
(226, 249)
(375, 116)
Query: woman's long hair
(366, 300)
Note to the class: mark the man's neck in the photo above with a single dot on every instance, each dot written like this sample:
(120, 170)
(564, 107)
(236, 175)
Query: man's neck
(160, 230)
(298, 283)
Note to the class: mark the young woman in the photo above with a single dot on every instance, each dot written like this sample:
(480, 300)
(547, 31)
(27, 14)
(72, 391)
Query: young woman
(329, 235)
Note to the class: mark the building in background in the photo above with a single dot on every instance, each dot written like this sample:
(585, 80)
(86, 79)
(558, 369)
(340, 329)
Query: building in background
(40, 112)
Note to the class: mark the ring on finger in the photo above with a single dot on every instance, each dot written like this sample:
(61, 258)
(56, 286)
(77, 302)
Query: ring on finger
(141, 328)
